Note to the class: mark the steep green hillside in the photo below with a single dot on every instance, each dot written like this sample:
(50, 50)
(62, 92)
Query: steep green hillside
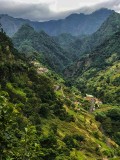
(64, 39)
(109, 117)
(60, 51)
(87, 44)
(98, 72)
(42, 119)
(40, 46)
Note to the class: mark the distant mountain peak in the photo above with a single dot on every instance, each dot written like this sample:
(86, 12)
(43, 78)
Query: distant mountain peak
(43, 32)
(4, 15)
(104, 10)
(26, 26)
(25, 29)
(75, 24)
(74, 15)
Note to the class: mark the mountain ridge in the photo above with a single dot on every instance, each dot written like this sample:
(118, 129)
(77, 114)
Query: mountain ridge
(97, 61)
(46, 116)
(41, 46)
(86, 44)
(40, 117)
(56, 27)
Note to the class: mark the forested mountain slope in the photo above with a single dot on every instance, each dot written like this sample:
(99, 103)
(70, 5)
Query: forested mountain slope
(87, 44)
(41, 46)
(65, 39)
(59, 52)
(98, 72)
(40, 118)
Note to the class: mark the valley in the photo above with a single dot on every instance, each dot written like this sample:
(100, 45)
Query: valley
(60, 88)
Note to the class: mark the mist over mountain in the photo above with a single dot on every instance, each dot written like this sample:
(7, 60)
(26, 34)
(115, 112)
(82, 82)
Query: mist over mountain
(75, 24)
(40, 46)
(86, 44)
(59, 83)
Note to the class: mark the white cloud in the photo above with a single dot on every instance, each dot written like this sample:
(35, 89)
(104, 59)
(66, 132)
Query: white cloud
(53, 9)
(63, 5)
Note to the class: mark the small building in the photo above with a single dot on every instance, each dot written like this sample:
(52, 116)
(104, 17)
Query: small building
(95, 102)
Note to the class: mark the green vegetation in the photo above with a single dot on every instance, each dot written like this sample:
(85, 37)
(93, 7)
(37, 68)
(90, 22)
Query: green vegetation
(40, 46)
(85, 45)
(110, 121)
(41, 118)
(98, 73)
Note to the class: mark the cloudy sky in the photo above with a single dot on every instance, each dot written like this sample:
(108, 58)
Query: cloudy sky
(42, 10)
